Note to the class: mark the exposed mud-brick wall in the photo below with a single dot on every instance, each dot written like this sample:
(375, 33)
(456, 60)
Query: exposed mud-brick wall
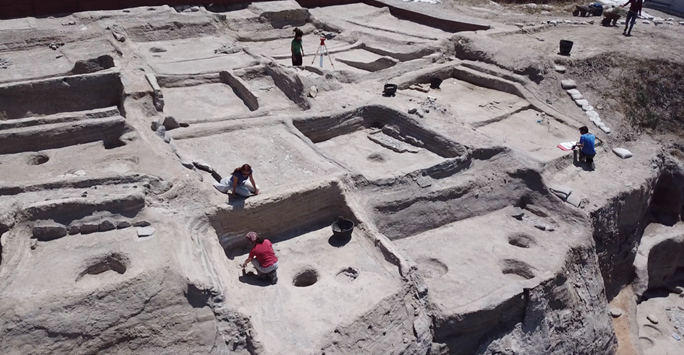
(14, 8)
(290, 84)
(50, 96)
(414, 213)
(569, 306)
(61, 135)
(177, 81)
(322, 128)
(319, 129)
(618, 227)
(441, 23)
(666, 264)
(486, 80)
(282, 216)
(433, 141)
(240, 89)
(66, 210)
(67, 117)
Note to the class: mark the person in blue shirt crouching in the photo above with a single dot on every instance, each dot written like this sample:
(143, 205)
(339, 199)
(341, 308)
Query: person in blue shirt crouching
(586, 147)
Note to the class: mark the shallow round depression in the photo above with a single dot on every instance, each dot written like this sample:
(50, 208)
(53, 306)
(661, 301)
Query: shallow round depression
(115, 262)
(431, 267)
(37, 159)
(516, 269)
(347, 275)
(305, 278)
(521, 240)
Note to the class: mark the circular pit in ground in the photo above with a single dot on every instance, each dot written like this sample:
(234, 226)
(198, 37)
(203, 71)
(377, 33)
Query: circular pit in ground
(431, 267)
(305, 278)
(521, 240)
(37, 159)
(347, 275)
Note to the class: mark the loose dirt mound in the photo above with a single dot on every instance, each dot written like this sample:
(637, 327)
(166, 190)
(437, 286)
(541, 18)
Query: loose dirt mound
(648, 91)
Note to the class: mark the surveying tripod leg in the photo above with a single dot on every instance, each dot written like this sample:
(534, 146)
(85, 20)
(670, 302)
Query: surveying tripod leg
(329, 57)
(314, 56)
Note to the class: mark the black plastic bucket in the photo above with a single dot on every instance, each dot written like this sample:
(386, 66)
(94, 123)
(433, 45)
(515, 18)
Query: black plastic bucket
(390, 89)
(435, 83)
(342, 228)
(565, 47)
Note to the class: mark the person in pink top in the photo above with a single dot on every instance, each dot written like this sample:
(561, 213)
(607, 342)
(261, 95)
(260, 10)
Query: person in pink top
(263, 257)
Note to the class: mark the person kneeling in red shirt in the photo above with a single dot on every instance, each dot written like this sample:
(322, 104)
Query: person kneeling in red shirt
(262, 257)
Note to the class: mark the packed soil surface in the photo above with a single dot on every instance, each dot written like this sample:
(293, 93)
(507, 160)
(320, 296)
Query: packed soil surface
(441, 131)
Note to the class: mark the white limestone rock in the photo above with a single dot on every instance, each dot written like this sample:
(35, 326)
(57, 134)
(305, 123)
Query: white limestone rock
(568, 84)
(622, 153)
(145, 231)
(581, 102)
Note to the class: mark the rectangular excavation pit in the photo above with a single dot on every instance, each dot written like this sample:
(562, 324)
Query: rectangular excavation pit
(385, 142)
(380, 19)
(36, 134)
(262, 84)
(43, 62)
(532, 132)
(194, 55)
(355, 60)
(60, 94)
(472, 104)
(477, 269)
(259, 89)
(372, 8)
(214, 97)
(77, 265)
(279, 157)
(322, 284)
(407, 211)
(71, 163)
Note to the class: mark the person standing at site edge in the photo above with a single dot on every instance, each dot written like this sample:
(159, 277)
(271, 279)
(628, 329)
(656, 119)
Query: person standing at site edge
(586, 144)
(262, 257)
(634, 11)
(297, 48)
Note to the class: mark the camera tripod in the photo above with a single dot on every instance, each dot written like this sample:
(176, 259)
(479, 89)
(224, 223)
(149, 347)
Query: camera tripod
(323, 50)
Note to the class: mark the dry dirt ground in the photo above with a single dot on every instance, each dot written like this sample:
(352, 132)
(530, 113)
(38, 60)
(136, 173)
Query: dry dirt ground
(475, 233)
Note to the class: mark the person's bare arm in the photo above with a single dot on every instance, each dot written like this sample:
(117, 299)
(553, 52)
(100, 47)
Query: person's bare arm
(251, 179)
(235, 180)
(626, 3)
(244, 265)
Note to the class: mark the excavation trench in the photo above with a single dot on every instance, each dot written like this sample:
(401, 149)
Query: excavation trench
(620, 224)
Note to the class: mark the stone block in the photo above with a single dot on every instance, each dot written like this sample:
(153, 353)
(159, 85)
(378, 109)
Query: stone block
(145, 231)
(622, 153)
(48, 230)
(106, 225)
(568, 84)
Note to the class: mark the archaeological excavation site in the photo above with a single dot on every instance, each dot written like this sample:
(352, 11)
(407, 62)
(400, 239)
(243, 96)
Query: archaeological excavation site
(416, 177)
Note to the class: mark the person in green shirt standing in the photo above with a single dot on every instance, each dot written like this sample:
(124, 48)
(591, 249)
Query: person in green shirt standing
(297, 48)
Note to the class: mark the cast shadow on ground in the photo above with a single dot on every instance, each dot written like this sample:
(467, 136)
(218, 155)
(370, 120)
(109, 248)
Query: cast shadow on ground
(251, 278)
(585, 166)
(237, 202)
(339, 242)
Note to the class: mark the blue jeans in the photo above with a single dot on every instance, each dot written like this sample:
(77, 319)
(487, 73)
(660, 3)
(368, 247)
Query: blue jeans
(631, 20)
(631, 16)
